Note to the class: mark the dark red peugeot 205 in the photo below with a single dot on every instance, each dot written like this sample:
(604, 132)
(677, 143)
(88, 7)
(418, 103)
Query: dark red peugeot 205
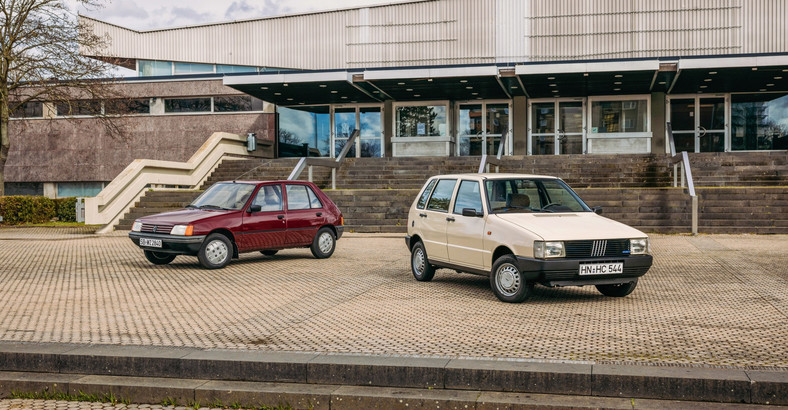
(233, 217)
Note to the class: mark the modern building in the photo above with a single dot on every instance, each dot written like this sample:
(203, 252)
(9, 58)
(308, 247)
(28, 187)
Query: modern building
(452, 78)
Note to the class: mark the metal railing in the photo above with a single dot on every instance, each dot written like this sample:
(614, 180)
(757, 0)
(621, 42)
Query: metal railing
(332, 163)
(486, 161)
(682, 159)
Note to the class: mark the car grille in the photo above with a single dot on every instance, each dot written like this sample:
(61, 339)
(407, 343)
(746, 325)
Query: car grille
(597, 249)
(151, 228)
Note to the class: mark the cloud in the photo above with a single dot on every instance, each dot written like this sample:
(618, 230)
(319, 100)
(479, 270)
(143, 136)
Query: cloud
(242, 10)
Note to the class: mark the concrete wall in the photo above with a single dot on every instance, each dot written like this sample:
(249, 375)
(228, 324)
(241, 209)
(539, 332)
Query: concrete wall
(60, 150)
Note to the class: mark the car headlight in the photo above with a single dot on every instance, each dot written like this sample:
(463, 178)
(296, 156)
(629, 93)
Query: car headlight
(543, 250)
(183, 230)
(638, 246)
(137, 226)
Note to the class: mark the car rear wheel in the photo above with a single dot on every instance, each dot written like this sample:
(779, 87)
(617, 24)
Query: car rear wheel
(215, 252)
(159, 258)
(420, 265)
(269, 253)
(619, 290)
(507, 281)
(324, 243)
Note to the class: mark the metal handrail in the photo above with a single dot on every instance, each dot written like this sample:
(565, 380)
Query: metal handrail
(486, 161)
(682, 159)
(332, 163)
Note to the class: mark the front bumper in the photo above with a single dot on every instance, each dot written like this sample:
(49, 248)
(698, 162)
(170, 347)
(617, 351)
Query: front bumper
(182, 245)
(565, 272)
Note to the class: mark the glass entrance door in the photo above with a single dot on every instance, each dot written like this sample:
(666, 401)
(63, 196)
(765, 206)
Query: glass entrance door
(482, 127)
(557, 127)
(698, 124)
(369, 121)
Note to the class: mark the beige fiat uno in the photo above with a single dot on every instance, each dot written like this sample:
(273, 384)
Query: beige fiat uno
(521, 230)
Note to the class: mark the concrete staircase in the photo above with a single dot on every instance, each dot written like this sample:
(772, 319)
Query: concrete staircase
(739, 192)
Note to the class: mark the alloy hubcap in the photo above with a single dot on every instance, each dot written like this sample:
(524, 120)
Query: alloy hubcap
(216, 252)
(325, 242)
(507, 278)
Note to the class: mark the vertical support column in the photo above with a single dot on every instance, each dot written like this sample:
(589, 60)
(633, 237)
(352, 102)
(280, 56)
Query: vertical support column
(519, 118)
(388, 127)
(658, 118)
(333, 178)
(310, 174)
(695, 215)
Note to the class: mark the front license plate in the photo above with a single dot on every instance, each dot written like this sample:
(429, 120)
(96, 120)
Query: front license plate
(150, 243)
(609, 268)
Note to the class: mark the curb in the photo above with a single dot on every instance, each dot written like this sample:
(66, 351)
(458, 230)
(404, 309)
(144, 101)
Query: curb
(156, 367)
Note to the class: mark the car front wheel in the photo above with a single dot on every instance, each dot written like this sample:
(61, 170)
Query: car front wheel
(215, 252)
(619, 290)
(324, 243)
(507, 281)
(420, 265)
(159, 258)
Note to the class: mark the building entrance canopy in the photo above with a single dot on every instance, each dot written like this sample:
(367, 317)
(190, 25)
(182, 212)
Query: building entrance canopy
(534, 80)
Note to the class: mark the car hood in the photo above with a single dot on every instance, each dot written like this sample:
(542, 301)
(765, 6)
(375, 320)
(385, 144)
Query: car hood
(571, 226)
(182, 217)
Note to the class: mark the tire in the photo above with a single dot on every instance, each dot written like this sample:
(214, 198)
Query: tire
(159, 258)
(619, 290)
(507, 281)
(269, 252)
(420, 264)
(215, 252)
(324, 243)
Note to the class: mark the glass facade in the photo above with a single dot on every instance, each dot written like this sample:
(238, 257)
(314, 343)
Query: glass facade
(187, 104)
(235, 69)
(127, 107)
(421, 121)
(31, 109)
(149, 68)
(619, 116)
(304, 131)
(78, 107)
(236, 103)
(759, 121)
(85, 189)
(371, 128)
(193, 68)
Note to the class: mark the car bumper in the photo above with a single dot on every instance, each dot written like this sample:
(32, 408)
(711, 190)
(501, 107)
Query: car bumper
(565, 272)
(182, 245)
(407, 240)
(340, 230)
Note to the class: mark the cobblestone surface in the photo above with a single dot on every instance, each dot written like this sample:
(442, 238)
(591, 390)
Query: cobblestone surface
(718, 300)
(11, 404)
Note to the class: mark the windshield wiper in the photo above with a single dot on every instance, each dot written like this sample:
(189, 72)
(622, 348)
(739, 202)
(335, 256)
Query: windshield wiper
(190, 206)
(212, 207)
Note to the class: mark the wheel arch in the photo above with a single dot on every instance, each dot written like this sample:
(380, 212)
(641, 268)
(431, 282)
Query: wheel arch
(230, 236)
(413, 240)
(500, 251)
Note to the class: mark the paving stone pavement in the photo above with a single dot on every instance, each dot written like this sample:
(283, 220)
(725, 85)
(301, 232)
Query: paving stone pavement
(710, 301)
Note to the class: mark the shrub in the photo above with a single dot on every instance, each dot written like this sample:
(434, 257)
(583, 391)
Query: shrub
(20, 209)
(65, 209)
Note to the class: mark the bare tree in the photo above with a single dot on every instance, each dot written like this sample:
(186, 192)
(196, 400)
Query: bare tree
(44, 47)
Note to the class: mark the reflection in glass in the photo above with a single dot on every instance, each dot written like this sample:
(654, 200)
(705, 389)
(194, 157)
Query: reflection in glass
(421, 121)
(236, 103)
(759, 121)
(30, 109)
(193, 68)
(470, 129)
(149, 68)
(371, 131)
(127, 106)
(304, 132)
(619, 116)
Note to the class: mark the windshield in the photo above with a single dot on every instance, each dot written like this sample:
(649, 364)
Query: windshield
(227, 196)
(532, 195)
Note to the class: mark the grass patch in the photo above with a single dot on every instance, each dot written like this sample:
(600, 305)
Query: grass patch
(94, 398)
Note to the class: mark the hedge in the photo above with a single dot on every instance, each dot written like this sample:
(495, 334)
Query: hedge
(21, 209)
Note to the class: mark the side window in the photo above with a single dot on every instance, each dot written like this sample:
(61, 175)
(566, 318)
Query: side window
(269, 197)
(441, 196)
(425, 194)
(468, 196)
(314, 201)
(297, 197)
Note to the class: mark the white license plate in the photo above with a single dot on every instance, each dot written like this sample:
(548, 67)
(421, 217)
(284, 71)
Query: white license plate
(150, 243)
(609, 268)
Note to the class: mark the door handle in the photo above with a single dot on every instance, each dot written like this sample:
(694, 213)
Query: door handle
(701, 131)
(319, 214)
(423, 215)
(280, 217)
(450, 219)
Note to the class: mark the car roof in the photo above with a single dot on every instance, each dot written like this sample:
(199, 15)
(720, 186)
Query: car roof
(264, 182)
(491, 175)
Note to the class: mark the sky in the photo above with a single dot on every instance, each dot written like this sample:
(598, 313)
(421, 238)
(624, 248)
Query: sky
(156, 14)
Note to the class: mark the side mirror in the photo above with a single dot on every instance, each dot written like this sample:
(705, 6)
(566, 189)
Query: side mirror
(471, 212)
(254, 208)
(597, 210)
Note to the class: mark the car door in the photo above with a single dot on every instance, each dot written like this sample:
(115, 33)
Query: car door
(265, 229)
(305, 214)
(465, 234)
(434, 219)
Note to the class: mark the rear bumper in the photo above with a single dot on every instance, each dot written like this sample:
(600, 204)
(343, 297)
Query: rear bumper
(182, 245)
(565, 272)
(340, 230)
